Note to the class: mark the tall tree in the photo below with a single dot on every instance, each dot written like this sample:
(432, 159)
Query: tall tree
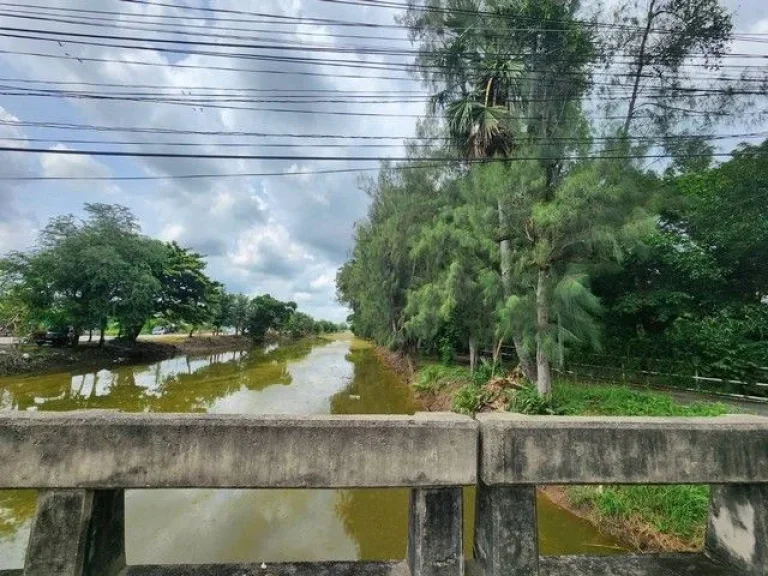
(503, 91)
(652, 46)
(188, 295)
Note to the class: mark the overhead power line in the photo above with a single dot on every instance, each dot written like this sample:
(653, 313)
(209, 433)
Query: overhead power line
(291, 173)
(66, 36)
(317, 136)
(256, 42)
(314, 158)
(336, 22)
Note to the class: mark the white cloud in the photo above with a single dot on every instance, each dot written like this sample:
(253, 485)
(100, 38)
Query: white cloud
(64, 166)
(326, 280)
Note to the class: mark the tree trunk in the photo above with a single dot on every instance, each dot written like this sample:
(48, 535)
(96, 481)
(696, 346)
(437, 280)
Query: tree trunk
(102, 330)
(472, 354)
(639, 71)
(90, 335)
(526, 362)
(506, 253)
(191, 331)
(543, 368)
(497, 352)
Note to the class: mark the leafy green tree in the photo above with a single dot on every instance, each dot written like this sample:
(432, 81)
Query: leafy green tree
(240, 307)
(223, 310)
(188, 295)
(374, 283)
(649, 47)
(267, 313)
(300, 324)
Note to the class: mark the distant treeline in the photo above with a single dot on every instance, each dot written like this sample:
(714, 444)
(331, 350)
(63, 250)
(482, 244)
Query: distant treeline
(92, 274)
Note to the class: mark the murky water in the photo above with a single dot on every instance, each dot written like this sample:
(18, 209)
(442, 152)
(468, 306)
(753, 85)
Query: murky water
(203, 526)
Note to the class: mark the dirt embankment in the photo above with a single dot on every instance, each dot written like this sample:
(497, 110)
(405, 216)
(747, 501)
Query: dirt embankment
(29, 359)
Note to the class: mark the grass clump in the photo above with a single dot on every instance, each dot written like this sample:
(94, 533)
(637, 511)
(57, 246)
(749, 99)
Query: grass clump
(527, 400)
(435, 377)
(470, 398)
(677, 511)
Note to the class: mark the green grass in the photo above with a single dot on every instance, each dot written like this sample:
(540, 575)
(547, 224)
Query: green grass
(581, 400)
(435, 377)
(679, 511)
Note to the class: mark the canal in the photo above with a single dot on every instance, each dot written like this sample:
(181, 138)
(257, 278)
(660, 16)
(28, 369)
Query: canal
(339, 376)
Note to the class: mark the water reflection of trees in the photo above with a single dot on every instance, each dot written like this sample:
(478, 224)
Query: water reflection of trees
(182, 384)
(16, 508)
(376, 519)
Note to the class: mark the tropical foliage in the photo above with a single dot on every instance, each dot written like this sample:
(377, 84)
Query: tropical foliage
(550, 230)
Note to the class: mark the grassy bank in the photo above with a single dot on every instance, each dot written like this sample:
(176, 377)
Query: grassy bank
(647, 518)
(31, 359)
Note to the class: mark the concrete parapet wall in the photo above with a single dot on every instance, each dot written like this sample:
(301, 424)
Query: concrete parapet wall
(568, 450)
(110, 450)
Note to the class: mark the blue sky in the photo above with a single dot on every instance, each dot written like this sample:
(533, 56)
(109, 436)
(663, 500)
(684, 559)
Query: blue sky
(286, 236)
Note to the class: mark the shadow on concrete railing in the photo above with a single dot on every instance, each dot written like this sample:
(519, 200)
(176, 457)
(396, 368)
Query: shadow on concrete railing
(82, 462)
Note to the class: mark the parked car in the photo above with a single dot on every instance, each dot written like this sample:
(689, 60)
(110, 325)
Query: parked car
(159, 331)
(54, 337)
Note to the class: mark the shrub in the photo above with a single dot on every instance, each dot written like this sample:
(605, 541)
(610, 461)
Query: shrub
(484, 371)
(527, 400)
(469, 399)
(434, 377)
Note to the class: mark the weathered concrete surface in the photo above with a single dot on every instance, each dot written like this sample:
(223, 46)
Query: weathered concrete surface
(105, 549)
(435, 532)
(737, 531)
(506, 538)
(57, 541)
(77, 533)
(632, 565)
(570, 450)
(312, 569)
(81, 450)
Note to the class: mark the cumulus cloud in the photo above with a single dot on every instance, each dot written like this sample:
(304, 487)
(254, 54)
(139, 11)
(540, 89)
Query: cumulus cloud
(261, 234)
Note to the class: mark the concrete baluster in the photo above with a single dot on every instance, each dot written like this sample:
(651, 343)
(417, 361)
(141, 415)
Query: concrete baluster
(435, 532)
(77, 533)
(737, 531)
(506, 538)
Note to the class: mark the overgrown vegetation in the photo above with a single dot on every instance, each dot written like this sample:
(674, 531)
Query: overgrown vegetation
(553, 232)
(642, 514)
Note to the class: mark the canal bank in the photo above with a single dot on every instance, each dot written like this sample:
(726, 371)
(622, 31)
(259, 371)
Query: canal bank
(642, 518)
(339, 376)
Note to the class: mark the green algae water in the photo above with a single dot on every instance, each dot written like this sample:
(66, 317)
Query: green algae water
(339, 376)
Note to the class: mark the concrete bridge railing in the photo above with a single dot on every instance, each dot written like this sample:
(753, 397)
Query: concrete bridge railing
(519, 453)
(81, 463)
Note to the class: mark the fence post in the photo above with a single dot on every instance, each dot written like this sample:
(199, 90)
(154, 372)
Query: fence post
(737, 530)
(435, 532)
(506, 537)
(77, 533)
